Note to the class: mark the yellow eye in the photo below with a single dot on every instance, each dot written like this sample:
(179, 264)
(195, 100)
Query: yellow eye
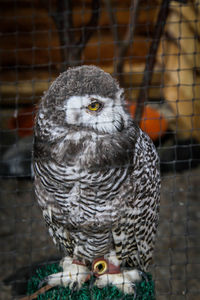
(94, 106)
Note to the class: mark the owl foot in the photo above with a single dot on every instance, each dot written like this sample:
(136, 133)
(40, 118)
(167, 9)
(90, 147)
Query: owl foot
(73, 275)
(123, 281)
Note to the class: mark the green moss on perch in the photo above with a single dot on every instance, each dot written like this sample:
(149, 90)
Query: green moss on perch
(144, 289)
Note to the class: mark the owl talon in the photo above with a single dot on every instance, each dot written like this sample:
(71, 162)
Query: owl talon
(73, 275)
(92, 281)
(123, 281)
(144, 276)
(73, 286)
(42, 282)
(135, 290)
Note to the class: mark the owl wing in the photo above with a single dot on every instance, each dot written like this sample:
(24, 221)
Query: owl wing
(134, 237)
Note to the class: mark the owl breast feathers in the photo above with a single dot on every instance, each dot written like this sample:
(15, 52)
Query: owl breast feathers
(97, 175)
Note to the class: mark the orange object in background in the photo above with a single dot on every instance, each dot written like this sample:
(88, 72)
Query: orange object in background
(153, 123)
(24, 121)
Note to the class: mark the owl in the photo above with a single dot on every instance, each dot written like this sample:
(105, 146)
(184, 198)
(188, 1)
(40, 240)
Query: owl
(97, 181)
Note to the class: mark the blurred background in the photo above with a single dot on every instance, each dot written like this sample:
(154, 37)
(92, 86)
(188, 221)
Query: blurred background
(153, 49)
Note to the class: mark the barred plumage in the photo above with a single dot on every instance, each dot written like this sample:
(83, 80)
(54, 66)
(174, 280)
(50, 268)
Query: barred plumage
(96, 173)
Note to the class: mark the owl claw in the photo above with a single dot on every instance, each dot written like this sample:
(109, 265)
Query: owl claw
(73, 275)
(42, 282)
(135, 290)
(92, 282)
(73, 286)
(143, 275)
(123, 281)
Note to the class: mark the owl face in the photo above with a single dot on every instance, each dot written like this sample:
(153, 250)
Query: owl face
(103, 114)
(83, 97)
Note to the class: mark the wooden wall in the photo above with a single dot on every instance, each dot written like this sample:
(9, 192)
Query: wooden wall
(30, 49)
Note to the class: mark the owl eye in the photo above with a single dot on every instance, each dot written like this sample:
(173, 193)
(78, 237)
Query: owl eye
(94, 106)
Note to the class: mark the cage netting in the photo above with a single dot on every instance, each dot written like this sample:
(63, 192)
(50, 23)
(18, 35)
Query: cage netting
(152, 47)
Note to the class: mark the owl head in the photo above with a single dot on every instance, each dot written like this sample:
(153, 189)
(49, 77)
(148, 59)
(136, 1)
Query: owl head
(84, 97)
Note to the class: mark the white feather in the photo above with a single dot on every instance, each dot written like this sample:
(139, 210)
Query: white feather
(106, 120)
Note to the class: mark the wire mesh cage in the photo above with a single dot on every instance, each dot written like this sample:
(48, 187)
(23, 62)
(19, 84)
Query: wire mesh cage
(153, 49)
